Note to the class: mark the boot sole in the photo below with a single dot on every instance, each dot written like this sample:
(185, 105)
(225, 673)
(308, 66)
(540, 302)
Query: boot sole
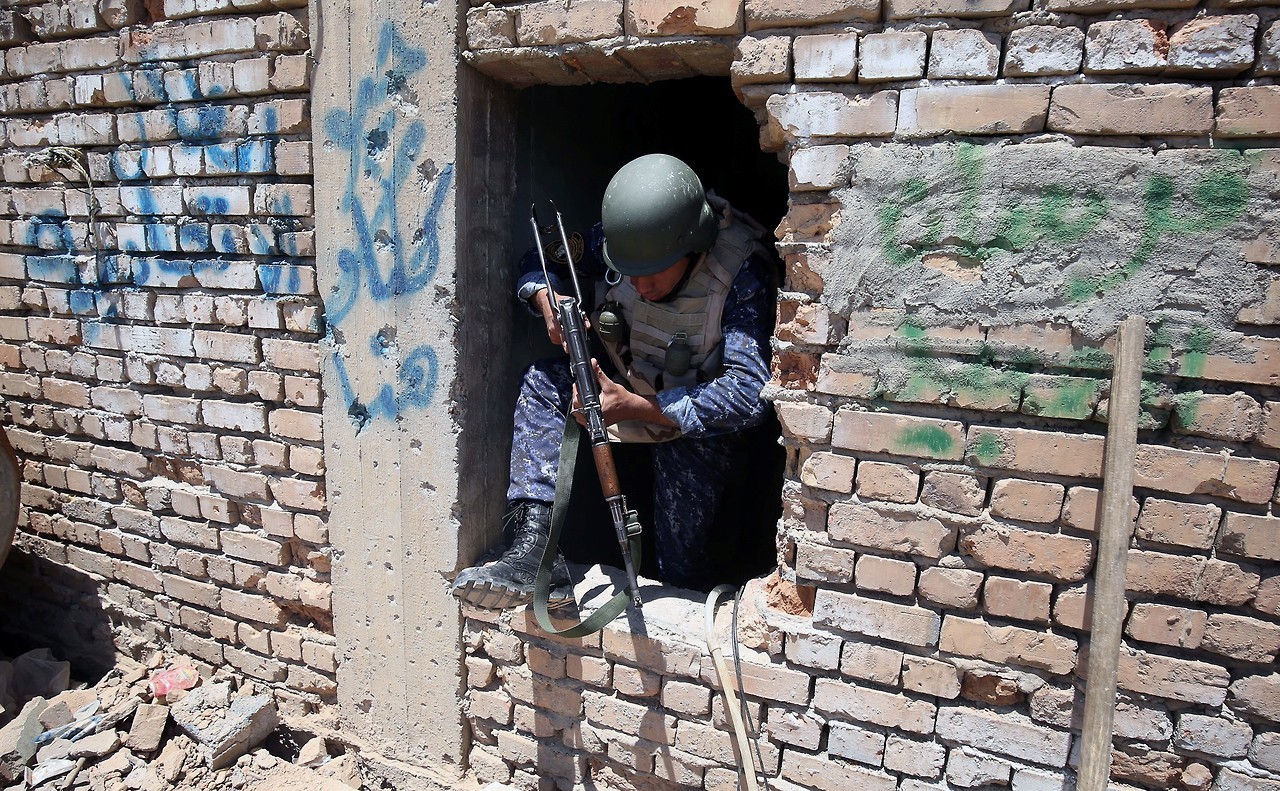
(493, 596)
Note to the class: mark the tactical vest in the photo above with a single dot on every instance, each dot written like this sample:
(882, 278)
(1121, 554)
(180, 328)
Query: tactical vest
(696, 310)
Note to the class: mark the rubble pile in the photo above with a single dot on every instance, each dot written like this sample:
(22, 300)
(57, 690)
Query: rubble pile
(152, 727)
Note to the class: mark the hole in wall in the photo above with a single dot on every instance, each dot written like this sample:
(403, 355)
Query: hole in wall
(570, 141)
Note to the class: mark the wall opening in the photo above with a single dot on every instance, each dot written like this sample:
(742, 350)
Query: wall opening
(569, 142)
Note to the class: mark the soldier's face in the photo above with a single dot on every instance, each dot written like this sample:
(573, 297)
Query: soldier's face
(658, 285)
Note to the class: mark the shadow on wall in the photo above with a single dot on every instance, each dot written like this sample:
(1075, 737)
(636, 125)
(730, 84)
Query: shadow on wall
(47, 603)
(570, 142)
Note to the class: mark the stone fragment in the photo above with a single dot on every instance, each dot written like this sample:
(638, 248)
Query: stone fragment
(964, 55)
(95, 746)
(18, 740)
(1218, 45)
(313, 753)
(1130, 46)
(148, 727)
(1041, 50)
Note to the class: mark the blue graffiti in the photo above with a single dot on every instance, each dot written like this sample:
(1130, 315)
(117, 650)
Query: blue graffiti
(381, 264)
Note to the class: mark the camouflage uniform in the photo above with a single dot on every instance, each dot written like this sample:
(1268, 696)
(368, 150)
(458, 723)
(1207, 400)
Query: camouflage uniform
(690, 472)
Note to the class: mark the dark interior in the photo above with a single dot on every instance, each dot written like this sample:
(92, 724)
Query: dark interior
(570, 142)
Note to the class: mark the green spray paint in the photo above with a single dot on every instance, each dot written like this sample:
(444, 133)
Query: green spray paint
(1219, 197)
(914, 191)
(1187, 406)
(1198, 343)
(1056, 218)
(988, 448)
(933, 439)
(1073, 398)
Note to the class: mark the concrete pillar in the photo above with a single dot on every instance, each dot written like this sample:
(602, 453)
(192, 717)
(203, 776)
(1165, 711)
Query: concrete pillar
(410, 391)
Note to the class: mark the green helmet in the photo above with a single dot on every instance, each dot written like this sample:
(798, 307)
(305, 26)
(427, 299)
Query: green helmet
(654, 213)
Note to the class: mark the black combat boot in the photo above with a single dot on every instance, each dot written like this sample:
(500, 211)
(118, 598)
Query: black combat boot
(508, 581)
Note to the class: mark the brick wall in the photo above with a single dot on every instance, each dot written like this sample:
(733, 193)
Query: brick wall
(161, 368)
(980, 192)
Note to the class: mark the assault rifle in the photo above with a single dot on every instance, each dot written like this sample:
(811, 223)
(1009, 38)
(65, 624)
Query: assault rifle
(573, 331)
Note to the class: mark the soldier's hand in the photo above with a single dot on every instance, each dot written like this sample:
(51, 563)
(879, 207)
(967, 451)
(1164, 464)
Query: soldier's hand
(542, 301)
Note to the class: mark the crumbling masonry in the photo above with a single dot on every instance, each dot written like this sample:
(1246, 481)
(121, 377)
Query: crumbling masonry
(980, 191)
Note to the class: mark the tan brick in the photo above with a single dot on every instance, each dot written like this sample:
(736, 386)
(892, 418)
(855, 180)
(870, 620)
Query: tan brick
(1059, 557)
(896, 483)
(771, 682)
(972, 109)
(1259, 695)
(1249, 112)
(661, 656)
(952, 588)
(1166, 677)
(295, 424)
(892, 55)
(1235, 417)
(1126, 46)
(685, 698)
(805, 421)
(885, 575)
(1023, 600)
(829, 471)
(1104, 109)
(1028, 501)
(1192, 472)
(1250, 536)
(800, 116)
(199, 593)
(495, 705)
(1178, 524)
(931, 677)
(871, 663)
(250, 546)
(826, 563)
(921, 759)
(863, 704)
(889, 530)
(959, 494)
(543, 23)
(1038, 452)
(1189, 578)
(783, 13)
(259, 609)
(873, 618)
(1008, 644)
(636, 683)
(906, 9)
(1004, 733)
(1081, 508)
(899, 434)
(761, 60)
(1238, 637)
(1160, 623)
(1268, 597)
(673, 18)
(826, 58)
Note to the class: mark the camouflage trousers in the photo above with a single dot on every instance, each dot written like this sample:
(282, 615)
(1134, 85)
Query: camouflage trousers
(689, 474)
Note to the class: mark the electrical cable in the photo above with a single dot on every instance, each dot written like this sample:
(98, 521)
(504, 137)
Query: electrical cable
(733, 708)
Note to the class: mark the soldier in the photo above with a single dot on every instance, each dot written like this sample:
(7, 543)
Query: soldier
(686, 325)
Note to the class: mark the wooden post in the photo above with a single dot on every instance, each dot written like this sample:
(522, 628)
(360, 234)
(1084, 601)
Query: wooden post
(1109, 565)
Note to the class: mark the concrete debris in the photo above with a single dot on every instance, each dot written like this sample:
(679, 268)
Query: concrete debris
(18, 740)
(114, 736)
(225, 728)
